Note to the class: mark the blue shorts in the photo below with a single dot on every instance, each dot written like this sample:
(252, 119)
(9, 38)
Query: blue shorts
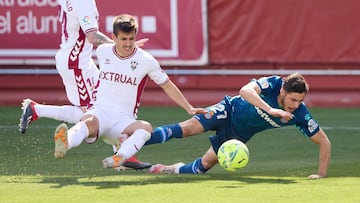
(219, 120)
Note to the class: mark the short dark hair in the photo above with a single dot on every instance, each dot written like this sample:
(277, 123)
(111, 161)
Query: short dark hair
(124, 23)
(295, 83)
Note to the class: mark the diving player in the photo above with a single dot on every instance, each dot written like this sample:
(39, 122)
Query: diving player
(269, 102)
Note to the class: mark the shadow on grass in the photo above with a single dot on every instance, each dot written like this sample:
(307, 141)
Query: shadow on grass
(110, 183)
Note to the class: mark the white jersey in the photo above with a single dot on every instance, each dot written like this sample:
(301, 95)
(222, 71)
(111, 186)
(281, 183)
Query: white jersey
(77, 18)
(122, 80)
(74, 58)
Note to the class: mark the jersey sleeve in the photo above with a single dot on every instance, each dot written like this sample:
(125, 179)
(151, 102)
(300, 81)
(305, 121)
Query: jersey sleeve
(268, 84)
(87, 14)
(305, 122)
(156, 73)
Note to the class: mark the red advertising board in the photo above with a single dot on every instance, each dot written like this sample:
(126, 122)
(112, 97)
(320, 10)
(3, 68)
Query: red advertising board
(30, 33)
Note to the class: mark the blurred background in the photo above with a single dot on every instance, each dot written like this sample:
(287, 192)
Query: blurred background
(209, 48)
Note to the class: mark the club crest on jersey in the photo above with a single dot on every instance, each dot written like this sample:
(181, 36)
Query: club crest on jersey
(134, 64)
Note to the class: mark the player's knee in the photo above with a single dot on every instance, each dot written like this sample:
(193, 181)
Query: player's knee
(191, 127)
(146, 126)
(207, 164)
(145, 134)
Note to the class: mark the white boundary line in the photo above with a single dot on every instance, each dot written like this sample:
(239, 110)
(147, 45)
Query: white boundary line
(351, 128)
(204, 72)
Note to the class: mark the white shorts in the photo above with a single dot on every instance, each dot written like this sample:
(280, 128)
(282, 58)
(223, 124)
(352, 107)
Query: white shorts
(79, 83)
(111, 125)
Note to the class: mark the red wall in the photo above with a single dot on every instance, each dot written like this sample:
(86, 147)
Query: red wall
(284, 31)
(249, 35)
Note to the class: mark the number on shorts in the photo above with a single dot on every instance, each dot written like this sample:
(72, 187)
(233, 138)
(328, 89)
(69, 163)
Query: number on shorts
(219, 111)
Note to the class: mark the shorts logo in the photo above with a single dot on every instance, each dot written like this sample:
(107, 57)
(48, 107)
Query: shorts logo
(209, 115)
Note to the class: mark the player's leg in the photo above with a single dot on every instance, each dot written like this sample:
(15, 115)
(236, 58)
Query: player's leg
(198, 166)
(179, 130)
(139, 133)
(66, 113)
(32, 111)
(132, 162)
(28, 114)
(199, 123)
(67, 139)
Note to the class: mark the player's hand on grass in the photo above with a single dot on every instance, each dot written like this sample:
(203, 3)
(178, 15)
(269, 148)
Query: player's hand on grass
(315, 176)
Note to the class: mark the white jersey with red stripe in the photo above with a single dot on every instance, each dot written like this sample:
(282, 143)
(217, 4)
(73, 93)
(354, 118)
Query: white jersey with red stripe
(122, 80)
(74, 58)
(77, 18)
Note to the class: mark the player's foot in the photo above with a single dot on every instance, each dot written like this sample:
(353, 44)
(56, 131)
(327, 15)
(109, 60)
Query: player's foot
(134, 163)
(113, 161)
(160, 168)
(28, 115)
(61, 141)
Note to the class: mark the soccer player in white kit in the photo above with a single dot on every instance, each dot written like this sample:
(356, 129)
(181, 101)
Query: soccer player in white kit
(124, 70)
(74, 62)
(80, 32)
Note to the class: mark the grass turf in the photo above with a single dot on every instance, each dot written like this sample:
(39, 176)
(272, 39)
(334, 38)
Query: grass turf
(280, 161)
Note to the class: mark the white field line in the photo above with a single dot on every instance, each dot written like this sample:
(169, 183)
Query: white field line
(349, 128)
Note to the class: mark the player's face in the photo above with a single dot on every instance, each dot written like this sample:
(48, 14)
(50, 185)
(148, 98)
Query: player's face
(291, 101)
(125, 43)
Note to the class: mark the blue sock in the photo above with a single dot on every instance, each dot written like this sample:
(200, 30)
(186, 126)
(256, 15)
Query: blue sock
(164, 133)
(195, 167)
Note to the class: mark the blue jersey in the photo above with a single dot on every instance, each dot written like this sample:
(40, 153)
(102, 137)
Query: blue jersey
(234, 117)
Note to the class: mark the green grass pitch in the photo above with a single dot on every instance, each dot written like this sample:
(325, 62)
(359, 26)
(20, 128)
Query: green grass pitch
(280, 161)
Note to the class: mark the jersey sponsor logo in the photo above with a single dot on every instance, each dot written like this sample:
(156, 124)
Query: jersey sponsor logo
(118, 78)
(267, 118)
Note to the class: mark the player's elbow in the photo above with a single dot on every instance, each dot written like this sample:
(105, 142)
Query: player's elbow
(91, 37)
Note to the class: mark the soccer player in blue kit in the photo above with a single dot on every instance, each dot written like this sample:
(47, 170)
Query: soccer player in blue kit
(265, 103)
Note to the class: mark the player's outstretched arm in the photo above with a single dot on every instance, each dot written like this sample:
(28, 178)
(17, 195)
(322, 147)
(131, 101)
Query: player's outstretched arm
(176, 95)
(251, 93)
(323, 141)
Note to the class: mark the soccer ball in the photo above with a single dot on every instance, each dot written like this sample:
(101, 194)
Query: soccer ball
(233, 155)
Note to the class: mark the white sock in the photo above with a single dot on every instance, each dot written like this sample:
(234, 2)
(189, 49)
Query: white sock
(67, 113)
(134, 143)
(77, 134)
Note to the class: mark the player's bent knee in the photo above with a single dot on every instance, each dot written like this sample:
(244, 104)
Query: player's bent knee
(145, 134)
(191, 127)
